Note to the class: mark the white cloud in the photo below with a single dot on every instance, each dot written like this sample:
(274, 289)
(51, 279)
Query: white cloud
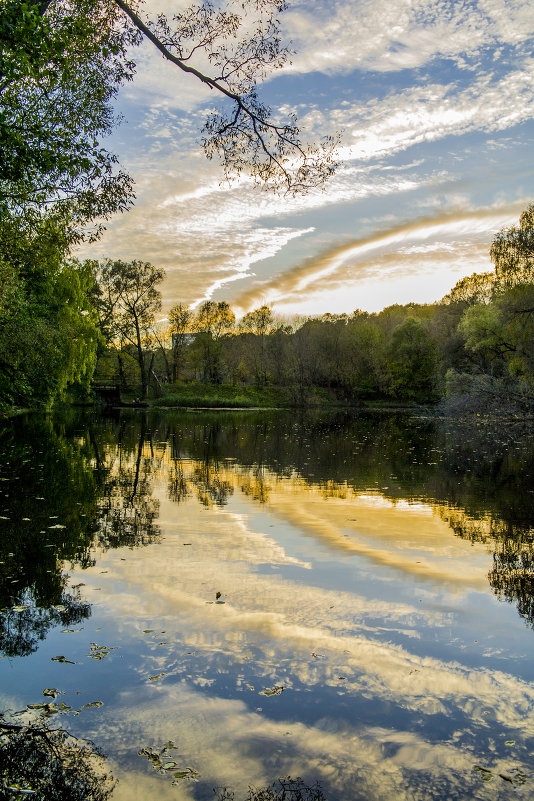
(384, 36)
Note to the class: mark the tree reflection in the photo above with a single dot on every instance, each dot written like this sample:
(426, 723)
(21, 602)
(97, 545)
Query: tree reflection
(44, 763)
(479, 475)
(65, 486)
(287, 789)
(22, 628)
(127, 510)
(89, 481)
(48, 502)
(512, 576)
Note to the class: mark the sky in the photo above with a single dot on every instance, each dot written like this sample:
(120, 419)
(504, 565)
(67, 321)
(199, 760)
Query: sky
(434, 101)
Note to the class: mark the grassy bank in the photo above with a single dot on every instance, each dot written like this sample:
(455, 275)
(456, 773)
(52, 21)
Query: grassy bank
(221, 395)
(209, 396)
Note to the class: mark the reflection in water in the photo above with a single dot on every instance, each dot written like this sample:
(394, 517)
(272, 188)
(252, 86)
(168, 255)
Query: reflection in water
(127, 512)
(343, 562)
(39, 762)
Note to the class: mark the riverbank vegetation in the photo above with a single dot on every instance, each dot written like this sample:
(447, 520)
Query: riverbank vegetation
(88, 325)
(62, 63)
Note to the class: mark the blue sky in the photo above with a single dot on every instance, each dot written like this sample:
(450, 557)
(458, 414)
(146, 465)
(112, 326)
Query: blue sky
(435, 102)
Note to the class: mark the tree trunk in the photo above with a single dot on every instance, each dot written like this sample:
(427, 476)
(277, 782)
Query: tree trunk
(141, 360)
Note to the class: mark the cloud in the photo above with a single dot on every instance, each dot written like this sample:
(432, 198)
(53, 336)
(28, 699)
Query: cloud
(385, 37)
(371, 255)
(219, 241)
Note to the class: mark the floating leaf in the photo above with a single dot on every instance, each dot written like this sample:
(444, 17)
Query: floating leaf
(62, 659)
(92, 704)
(187, 773)
(148, 631)
(168, 765)
(510, 742)
(168, 745)
(100, 651)
(52, 692)
(157, 677)
(20, 608)
(276, 690)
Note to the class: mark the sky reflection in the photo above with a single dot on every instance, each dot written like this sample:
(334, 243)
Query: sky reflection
(305, 620)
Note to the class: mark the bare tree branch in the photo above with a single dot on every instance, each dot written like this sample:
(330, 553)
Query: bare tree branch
(247, 139)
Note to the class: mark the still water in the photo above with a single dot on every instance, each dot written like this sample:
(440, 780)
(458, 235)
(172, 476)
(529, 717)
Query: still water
(349, 600)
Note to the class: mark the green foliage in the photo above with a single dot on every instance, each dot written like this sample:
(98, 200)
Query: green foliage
(221, 395)
(502, 333)
(48, 327)
(476, 288)
(512, 250)
(412, 362)
(60, 71)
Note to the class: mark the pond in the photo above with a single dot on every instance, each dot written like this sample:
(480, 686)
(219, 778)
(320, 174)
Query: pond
(220, 599)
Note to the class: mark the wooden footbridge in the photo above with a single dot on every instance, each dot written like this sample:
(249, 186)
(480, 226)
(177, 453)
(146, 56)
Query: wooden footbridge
(108, 394)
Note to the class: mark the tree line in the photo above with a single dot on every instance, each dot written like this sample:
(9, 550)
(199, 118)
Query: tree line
(477, 342)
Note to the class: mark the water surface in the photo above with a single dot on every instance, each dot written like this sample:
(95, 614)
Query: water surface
(345, 599)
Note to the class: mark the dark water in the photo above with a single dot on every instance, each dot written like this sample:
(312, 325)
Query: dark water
(349, 600)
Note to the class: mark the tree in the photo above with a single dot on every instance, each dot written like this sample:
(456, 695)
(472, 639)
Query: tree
(411, 362)
(476, 288)
(48, 327)
(67, 44)
(213, 321)
(258, 323)
(181, 323)
(128, 300)
(512, 251)
(61, 64)
(501, 334)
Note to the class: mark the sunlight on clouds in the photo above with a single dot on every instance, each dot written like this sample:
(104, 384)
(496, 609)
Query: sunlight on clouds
(351, 264)
(247, 748)
(429, 113)
(209, 236)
